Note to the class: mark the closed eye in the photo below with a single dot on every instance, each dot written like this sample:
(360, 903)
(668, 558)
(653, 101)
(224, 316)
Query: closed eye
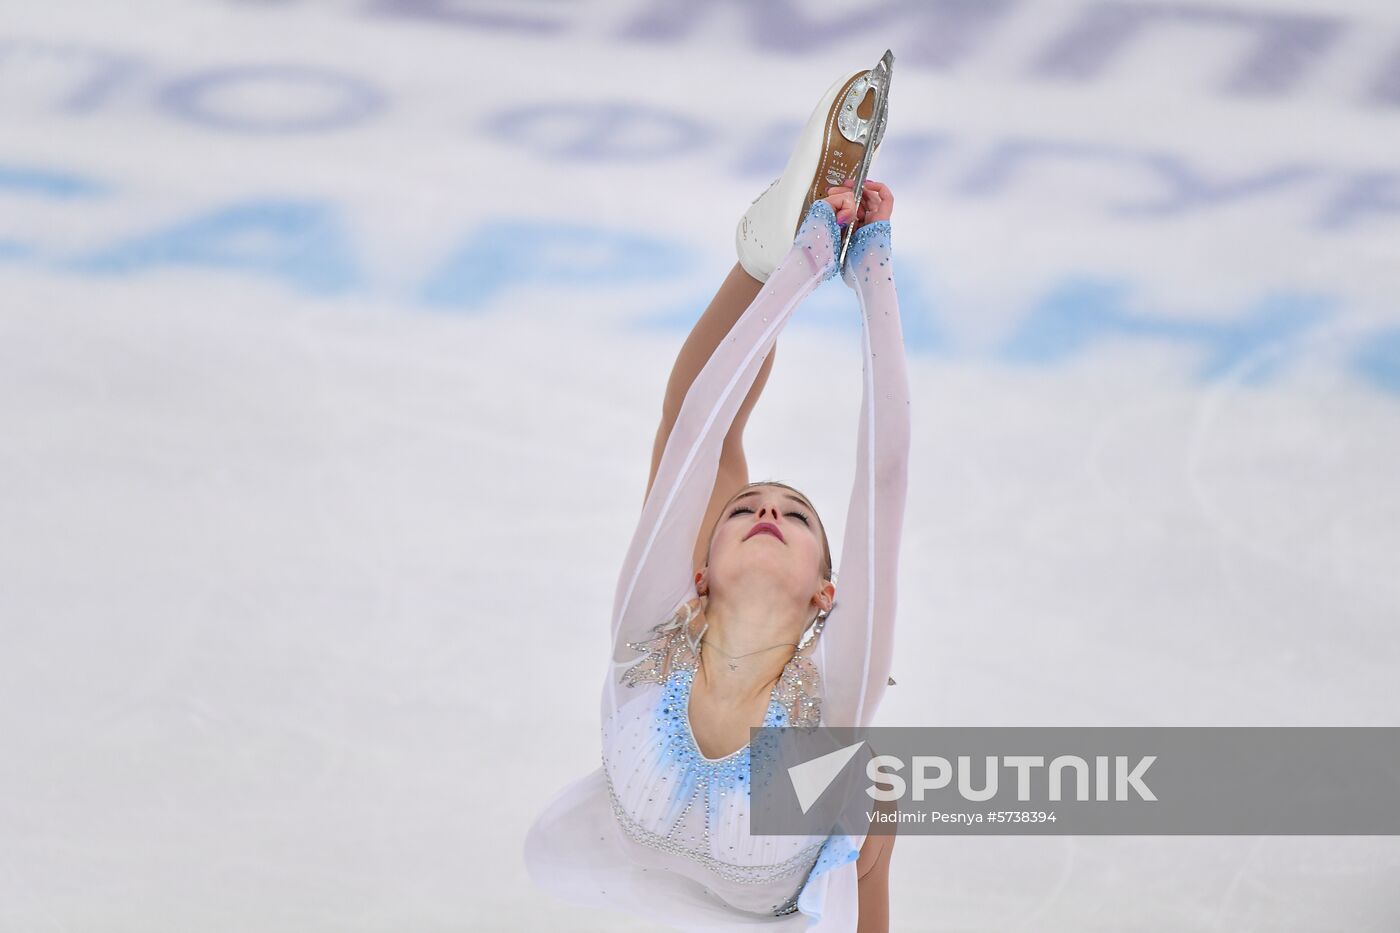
(799, 515)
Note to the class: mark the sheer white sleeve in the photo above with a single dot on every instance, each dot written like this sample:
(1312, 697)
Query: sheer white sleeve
(856, 646)
(656, 578)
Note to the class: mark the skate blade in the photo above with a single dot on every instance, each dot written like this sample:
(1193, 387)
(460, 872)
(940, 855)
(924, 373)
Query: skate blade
(880, 77)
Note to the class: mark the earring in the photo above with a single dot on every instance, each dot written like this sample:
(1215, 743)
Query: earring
(814, 629)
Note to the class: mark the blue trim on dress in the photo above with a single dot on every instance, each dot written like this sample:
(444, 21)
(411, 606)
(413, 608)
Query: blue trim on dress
(822, 214)
(876, 235)
(678, 744)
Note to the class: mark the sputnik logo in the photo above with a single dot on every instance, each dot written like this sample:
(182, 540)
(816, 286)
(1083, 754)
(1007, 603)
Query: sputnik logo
(811, 778)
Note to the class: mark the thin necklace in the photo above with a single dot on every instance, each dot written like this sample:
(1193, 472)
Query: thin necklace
(735, 657)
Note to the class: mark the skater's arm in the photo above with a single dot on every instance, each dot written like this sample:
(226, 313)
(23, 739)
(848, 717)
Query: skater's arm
(873, 887)
(735, 294)
(657, 573)
(856, 647)
(873, 875)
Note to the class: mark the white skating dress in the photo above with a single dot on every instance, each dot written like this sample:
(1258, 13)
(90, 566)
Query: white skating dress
(659, 829)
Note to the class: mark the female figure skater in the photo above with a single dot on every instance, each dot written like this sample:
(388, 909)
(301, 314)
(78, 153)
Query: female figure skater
(751, 632)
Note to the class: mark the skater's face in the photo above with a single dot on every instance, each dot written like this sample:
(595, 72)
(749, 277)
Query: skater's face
(772, 533)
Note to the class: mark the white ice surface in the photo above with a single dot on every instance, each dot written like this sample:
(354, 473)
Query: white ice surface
(304, 592)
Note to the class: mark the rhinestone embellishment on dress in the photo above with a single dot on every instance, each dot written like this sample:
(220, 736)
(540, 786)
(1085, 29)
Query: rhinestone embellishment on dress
(741, 874)
(798, 691)
(671, 659)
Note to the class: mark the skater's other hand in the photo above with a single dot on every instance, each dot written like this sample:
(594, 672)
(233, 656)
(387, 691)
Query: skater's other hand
(877, 202)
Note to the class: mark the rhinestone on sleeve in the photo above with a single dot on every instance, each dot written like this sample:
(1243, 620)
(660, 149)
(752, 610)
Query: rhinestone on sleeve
(662, 645)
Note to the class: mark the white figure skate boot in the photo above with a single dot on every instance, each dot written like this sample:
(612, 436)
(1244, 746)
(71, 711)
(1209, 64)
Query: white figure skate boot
(839, 142)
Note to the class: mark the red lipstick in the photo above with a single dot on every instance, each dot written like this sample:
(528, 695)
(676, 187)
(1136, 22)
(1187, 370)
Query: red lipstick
(766, 527)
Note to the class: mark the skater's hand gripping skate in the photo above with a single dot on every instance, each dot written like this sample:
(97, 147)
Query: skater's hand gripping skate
(877, 202)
